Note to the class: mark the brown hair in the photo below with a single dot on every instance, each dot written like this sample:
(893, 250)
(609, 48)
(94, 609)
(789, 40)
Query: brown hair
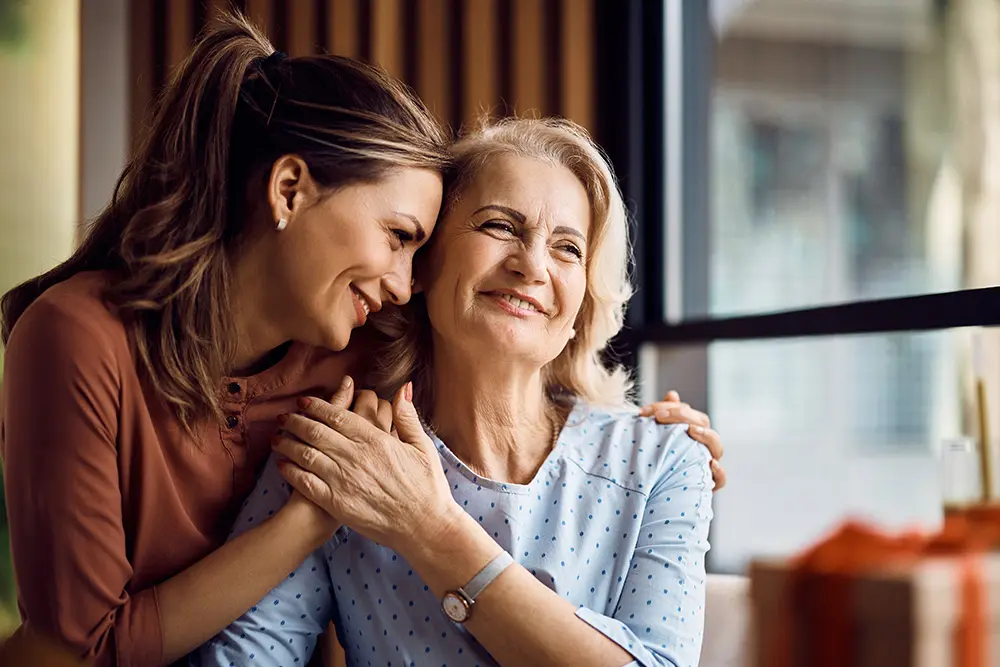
(581, 370)
(183, 202)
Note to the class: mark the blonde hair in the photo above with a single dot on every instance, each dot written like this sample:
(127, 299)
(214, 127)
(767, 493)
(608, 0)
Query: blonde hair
(579, 369)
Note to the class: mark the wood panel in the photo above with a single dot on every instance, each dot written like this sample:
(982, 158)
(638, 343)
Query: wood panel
(576, 85)
(434, 56)
(260, 12)
(342, 28)
(479, 59)
(538, 53)
(528, 58)
(142, 74)
(214, 8)
(180, 32)
(387, 35)
(302, 31)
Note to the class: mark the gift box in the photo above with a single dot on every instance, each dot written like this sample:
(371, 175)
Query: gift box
(866, 599)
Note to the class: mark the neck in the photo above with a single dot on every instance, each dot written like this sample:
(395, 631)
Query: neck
(257, 334)
(496, 417)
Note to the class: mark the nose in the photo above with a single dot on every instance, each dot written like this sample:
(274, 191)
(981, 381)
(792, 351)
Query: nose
(530, 260)
(397, 286)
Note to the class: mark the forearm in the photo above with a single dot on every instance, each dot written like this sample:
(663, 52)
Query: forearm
(202, 600)
(515, 605)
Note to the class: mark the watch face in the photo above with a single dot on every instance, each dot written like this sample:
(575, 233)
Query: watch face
(455, 607)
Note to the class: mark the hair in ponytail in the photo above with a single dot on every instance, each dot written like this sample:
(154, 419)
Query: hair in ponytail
(180, 206)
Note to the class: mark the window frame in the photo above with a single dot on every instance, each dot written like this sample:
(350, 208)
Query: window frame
(663, 165)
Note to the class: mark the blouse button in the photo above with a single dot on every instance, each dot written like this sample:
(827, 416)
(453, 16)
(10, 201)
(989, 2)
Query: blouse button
(232, 421)
(234, 387)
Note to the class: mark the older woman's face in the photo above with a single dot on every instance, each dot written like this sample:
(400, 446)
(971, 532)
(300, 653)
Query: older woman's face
(507, 271)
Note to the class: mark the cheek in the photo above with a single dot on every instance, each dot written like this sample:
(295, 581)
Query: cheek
(573, 291)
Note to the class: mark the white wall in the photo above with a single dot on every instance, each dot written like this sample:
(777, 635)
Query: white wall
(104, 101)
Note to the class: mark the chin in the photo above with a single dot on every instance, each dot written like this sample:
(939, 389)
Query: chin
(333, 338)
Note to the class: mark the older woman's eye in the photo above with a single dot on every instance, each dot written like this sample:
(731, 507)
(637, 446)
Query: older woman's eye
(499, 225)
(572, 250)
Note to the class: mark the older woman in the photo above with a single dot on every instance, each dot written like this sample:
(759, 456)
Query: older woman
(539, 520)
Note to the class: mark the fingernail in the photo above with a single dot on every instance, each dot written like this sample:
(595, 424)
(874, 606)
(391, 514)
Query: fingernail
(348, 381)
(644, 411)
(408, 392)
(699, 429)
(663, 413)
(282, 418)
(275, 440)
(304, 403)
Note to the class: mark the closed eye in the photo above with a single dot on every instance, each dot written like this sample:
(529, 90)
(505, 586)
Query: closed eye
(499, 225)
(403, 236)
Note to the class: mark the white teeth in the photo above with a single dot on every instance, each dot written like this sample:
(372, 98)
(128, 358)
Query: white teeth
(518, 303)
(364, 302)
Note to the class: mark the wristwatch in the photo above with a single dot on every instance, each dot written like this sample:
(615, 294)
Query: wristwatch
(457, 605)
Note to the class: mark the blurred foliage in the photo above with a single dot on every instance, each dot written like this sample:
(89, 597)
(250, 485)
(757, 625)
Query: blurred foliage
(13, 25)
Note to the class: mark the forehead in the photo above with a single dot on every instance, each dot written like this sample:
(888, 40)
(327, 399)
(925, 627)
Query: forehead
(543, 191)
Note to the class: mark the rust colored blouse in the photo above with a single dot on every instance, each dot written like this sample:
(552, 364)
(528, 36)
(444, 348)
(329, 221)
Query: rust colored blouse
(106, 495)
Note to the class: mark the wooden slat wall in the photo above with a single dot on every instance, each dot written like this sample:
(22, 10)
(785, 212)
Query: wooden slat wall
(530, 57)
(342, 28)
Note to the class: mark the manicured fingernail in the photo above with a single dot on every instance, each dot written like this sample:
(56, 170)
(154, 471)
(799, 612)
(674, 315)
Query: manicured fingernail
(282, 418)
(408, 392)
(304, 403)
(347, 382)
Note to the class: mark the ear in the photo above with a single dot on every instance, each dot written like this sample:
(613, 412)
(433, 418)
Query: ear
(290, 188)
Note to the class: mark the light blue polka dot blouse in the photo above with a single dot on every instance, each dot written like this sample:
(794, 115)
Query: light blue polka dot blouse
(616, 521)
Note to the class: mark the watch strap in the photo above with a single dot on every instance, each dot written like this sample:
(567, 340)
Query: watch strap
(486, 576)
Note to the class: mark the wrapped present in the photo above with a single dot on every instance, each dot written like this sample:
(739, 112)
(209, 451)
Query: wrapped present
(868, 599)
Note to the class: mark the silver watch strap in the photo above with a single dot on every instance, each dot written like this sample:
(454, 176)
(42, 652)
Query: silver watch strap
(487, 575)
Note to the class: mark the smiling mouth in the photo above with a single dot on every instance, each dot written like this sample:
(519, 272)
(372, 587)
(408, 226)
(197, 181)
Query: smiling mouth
(361, 306)
(515, 305)
(364, 303)
(519, 303)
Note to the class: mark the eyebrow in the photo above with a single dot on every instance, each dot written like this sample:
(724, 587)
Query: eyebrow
(521, 218)
(421, 233)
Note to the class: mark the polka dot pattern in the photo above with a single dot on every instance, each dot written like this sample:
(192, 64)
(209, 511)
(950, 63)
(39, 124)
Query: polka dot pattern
(615, 521)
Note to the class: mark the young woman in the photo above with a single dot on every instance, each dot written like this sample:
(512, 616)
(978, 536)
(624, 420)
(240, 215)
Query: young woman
(273, 200)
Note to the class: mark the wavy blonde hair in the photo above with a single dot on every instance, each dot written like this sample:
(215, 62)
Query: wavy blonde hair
(580, 368)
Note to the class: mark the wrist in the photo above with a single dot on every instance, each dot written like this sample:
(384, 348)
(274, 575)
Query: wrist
(450, 551)
(305, 522)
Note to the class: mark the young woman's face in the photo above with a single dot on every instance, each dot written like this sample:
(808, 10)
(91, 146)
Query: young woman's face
(342, 256)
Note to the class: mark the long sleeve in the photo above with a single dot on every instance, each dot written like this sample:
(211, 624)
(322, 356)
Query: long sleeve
(659, 618)
(60, 409)
(283, 628)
